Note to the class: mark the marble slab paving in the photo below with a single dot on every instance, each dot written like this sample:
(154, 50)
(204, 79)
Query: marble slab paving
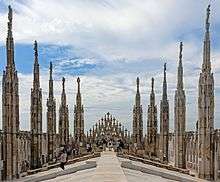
(108, 169)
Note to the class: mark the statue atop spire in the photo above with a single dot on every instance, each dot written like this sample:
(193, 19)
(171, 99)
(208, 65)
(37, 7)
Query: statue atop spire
(180, 69)
(138, 97)
(165, 83)
(206, 66)
(10, 41)
(207, 18)
(152, 84)
(152, 95)
(36, 84)
(138, 84)
(51, 71)
(9, 21)
(51, 82)
(63, 83)
(164, 71)
(78, 82)
(35, 51)
(63, 97)
(181, 51)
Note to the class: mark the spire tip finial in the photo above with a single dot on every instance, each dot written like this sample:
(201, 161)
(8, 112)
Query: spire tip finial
(152, 83)
(138, 83)
(78, 80)
(63, 83)
(51, 66)
(35, 46)
(165, 69)
(207, 17)
(51, 70)
(138, 80)
(9, 13)
(181, 50)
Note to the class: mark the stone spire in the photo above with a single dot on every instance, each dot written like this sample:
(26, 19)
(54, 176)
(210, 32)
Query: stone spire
(206, 112)
(78, 96)
(51, 82)
(36, 81)
(36, 115)
(63, 118)
(63, 97)
(180, 69)
(206, 66)
(180, 118)
(164, 122)
(10, 109)
(138, 120)
(51, 118)
(10, 41)
(164, 83)
(78, 116)
(151, 148)
(138, 97)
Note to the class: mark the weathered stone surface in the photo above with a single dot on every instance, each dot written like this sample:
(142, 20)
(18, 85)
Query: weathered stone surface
(63, 118)
(180, 118)
(36, 115)
(164, 123)
(206, 112)
(51, 119)
(164, 173)
(137, 136)
(151, 140)
(10, 110)
(79, 136)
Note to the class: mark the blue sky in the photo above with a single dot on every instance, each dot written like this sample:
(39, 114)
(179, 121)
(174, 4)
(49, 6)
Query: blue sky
(108, 44)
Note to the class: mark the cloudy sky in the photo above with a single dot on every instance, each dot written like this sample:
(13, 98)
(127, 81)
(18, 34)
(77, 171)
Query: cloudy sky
(108, 43)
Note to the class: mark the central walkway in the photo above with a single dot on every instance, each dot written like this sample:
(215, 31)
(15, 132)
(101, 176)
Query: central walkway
(108, 169)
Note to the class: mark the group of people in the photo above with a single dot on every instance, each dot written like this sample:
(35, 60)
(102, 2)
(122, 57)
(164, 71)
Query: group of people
(109, 144)
(65, 151)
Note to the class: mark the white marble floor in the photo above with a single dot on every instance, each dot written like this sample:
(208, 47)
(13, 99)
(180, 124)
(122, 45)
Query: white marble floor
(109, 170)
